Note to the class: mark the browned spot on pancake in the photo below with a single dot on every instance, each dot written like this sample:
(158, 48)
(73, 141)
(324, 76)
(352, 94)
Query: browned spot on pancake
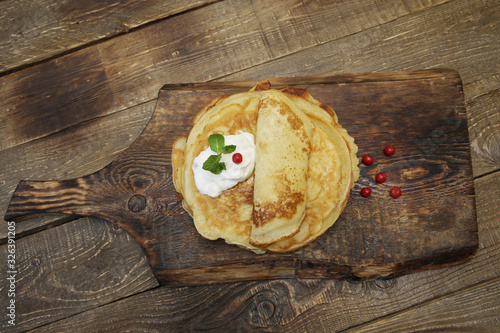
(262, 145)
(291, 117)
(296, 91)
(295, 122)
(241, 194)
(328, 109)
(269, 101)
(262, 86)
(284, 207)
(250, 113)
(228, 206)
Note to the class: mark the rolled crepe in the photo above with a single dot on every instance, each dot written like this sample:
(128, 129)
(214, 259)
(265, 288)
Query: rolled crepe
(283, 144)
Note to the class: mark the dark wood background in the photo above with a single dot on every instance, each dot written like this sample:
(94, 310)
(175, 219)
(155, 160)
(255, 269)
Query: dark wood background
(79, 82)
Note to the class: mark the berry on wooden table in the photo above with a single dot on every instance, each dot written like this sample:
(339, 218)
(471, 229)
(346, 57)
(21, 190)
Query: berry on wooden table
(368, 159)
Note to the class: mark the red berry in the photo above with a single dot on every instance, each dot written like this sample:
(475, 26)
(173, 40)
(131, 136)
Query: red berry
(367, 160)
(237, 158)
(380, 177)
(366, 192)
(389, 150)
(395, 192)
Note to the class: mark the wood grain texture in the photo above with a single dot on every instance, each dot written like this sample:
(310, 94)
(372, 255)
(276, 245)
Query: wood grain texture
(433, 168)
(461, 34)
(485, 132)
(405, 44)
(488, 213)
(67, 269)
(298, 305)
(33, 31)
(69, 154)
(34, 224)
(446, 315)
(200, 45)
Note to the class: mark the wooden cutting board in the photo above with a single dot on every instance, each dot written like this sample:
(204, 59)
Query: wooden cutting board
(433, 224)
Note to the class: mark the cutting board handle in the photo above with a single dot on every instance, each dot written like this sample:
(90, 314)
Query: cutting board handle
(135, 191)
(49, 197)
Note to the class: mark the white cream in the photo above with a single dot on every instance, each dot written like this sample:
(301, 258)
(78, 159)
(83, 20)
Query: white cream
(211, 184)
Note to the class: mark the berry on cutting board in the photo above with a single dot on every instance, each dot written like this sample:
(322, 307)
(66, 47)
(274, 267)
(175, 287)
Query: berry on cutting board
(380, 177)
(395, 192)
(366, 192)
(389, 150)
(367, 159)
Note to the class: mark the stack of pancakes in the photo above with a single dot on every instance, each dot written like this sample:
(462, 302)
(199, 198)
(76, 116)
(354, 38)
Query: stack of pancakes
(305, 167)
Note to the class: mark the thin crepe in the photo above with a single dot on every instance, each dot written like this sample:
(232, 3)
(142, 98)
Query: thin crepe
(283, 144)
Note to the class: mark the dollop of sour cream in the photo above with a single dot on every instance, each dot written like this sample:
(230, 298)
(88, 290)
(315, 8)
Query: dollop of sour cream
(211, 184)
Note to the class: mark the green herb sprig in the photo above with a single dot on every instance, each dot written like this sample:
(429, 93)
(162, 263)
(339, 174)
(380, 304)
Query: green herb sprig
(217, 145)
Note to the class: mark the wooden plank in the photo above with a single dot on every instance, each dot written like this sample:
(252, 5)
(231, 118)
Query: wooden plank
(33, 225)
(447, 314)
(72, 268)
(294, 305)
(445, 36)
(420, 5)
(200, 45)
(434, 177)
(484, 132)
(32, 31)
(278, 306)
(358, 78)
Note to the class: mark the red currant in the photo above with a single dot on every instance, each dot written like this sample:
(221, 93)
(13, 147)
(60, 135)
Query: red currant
(367, 160)
(389, 150)
(380, 177)
(237, 158)
(366, 192)
(395, 192)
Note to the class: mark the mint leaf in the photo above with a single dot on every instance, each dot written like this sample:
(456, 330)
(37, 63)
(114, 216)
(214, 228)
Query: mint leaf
(218, 169)
(212, 164)
(228, 149)
(216, 142)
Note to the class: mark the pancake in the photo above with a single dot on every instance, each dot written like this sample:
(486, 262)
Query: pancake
(332, 171)
(328, 179)
(324, 115)
(323, 189)
(282, 152)
(305, 167)
(228, 216)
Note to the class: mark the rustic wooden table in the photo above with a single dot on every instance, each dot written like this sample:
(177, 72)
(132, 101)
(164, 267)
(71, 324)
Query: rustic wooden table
(79, 82)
